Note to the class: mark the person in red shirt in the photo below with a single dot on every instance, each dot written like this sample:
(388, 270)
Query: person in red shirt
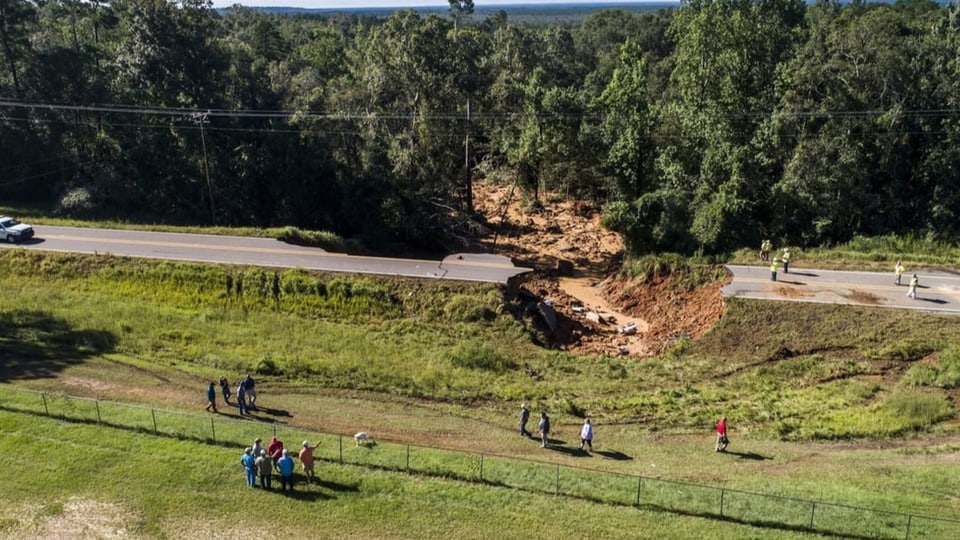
(722, 440)
(275, 449)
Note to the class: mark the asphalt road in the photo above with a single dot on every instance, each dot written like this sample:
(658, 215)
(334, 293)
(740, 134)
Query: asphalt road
(937, 291)
(263, 252)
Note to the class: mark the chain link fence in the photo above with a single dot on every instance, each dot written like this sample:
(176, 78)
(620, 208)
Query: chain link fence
(535, 476)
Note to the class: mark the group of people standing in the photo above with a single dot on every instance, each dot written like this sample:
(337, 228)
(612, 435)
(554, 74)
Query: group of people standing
(543, 428)
(246, 395)
(260, 463)
(765, 248)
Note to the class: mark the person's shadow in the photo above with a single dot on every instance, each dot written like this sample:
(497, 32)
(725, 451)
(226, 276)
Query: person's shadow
(933, 300)
(613, 454)
(749, 455)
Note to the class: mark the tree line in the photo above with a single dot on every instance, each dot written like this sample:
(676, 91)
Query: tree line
(698, 129)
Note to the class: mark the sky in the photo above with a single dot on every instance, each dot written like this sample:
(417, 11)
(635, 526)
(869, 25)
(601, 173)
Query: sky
(326, 4)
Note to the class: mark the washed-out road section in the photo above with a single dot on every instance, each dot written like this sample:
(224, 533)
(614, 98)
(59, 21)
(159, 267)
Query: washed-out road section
(263, 252)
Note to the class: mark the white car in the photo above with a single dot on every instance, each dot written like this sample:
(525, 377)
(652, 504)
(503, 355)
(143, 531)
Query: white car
(13, 231)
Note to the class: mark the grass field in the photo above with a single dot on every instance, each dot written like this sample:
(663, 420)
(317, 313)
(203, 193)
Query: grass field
(837, 404)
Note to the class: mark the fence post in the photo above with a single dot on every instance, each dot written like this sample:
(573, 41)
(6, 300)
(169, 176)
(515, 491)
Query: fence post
(481, 467)
(153, 413)
(274, 430)
(213, 430)
(408, 458)
(558, 478)
(723, 491)
(46, 410)
(813, 508)
(909, 519)
(99, 421)
(639, 485)
(341, 449)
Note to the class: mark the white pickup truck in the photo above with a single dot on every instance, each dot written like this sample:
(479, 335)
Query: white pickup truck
(13, 231)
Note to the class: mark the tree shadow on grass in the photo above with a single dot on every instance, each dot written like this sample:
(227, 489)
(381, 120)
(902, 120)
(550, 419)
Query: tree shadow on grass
(336, 486)
(614, 454)
(36, 345)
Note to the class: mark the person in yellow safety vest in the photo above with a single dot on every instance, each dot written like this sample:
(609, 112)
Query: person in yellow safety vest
(773, 269)
(899, 270)
(786, 260)
(765, 248)
(912, 292)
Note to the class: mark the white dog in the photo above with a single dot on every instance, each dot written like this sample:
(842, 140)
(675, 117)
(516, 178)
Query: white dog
(362, 438)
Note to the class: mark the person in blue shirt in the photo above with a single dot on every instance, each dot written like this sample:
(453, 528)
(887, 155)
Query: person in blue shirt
(249, 466)
(285, 466)
(211, 398)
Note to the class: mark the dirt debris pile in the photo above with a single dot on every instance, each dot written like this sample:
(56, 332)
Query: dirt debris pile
(575, 260)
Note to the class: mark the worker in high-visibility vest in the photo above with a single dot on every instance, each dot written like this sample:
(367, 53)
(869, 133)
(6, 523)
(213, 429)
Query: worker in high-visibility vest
(773, 269)
(899, 270)
(786, 260)
(912, 292)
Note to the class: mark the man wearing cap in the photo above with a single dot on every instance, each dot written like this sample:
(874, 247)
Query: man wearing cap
(306, 457)
(285, 466)
(257, 447)
(249, 466)
(524, 418)
(265, 469)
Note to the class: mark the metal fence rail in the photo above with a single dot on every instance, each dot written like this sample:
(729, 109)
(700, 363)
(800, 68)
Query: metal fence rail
(530, 475)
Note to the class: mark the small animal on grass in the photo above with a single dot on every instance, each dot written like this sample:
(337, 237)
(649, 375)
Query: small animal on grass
(362, 438)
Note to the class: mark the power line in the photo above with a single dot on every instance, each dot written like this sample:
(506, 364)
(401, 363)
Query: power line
(452, 116)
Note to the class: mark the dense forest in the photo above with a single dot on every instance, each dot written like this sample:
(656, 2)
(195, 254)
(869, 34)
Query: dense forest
(702, 128)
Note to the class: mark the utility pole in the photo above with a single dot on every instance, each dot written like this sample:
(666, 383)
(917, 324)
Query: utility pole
(203, 119)
(466, 162)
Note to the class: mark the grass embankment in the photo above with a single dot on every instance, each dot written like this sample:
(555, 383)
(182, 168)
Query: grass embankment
(441, 363)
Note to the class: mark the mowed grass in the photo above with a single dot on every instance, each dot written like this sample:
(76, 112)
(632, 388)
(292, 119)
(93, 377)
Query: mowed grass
(83, 481)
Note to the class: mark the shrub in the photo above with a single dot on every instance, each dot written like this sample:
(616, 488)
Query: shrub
(322, 239)
(480, 356)
(919, 409)
(944, 374)
(267, 366)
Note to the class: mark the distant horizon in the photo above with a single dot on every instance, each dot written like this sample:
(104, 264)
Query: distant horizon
(356, 4)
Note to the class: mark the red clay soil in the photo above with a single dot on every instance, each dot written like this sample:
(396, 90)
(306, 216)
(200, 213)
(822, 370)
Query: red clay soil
(576, 262)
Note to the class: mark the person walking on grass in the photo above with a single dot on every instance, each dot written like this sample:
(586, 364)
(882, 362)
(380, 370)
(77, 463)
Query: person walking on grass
(586, 435)
(306, 457)
(250, 386)
(242, 399)
(544, 428)
(285, 466)
(264, 469)
(249, 465)
(912, 291)
(722, 440)
(211, 398)
(524, 418)
(225, 388)
(773, 269)
(898, 269)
